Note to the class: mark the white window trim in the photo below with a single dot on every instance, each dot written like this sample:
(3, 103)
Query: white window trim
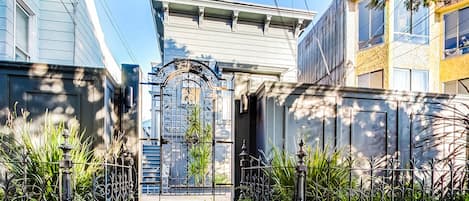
(410, 70)
(31, 51)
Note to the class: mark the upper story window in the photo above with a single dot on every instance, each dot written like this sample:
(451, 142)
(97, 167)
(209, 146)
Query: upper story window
(411, 26)
(457, 86)
(410, 79)
(371, 80)
(371, 25)
(22, 34)
(457, 32)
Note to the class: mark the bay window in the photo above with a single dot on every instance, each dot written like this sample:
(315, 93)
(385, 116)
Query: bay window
(411, 25)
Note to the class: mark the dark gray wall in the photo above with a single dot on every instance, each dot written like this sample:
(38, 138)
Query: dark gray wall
(131, 111)
(88, 94)
(364, 122)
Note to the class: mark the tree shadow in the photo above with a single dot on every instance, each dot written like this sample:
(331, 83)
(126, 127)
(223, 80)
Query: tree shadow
(368, 123)
(88, 94)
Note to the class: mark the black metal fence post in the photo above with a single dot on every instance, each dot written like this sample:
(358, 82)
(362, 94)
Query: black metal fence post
(301, 174)
(66, 165)
(130, 161)
(244, 159)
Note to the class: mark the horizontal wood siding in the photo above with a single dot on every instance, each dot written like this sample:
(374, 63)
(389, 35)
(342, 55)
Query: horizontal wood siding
(88, 51)
(55, 26)
(215, 39)
(6, 29)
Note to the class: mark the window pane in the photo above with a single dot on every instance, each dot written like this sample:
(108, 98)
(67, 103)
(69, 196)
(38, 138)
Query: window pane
(463, 86)
(376, 79)
(377, 22)
(364, 19)
(450, 87)
(464, 30)
(401, 79)
(451, 23)
(22, 23)
(420, 80)
(420, 21)
(364, 80)
(401, 18)
(20, 55)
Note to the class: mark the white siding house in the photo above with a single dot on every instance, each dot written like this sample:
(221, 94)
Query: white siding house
(242, 45)
(239, 37)
(53, 32)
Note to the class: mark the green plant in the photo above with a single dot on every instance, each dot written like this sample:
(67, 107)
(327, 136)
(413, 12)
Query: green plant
(199, 138)
(34, 154)
(221, 179)
(327, 176)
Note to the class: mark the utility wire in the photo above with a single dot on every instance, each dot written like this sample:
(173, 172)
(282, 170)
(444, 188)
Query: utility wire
(109, 15)
(423, 19)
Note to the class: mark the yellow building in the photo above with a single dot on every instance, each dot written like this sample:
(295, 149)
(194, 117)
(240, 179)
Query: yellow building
(399, 50)
(454, 54)
(424, 50)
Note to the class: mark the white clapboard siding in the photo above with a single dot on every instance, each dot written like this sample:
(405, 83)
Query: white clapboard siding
(214, 39)
(63, 34)
(52, 18)
(88, 51)
(6, 32)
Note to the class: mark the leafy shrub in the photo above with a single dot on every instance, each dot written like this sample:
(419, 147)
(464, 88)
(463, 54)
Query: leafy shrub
(31, 157)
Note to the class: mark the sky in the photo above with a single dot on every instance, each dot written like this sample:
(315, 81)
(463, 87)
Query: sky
(130, 33)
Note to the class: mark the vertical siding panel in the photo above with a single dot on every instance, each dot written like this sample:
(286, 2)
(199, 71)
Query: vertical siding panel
(330, 33)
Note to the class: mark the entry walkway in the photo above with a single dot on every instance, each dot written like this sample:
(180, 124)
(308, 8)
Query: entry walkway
(226, 197)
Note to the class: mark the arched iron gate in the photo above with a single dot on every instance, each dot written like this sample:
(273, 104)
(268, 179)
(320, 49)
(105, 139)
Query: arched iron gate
(190, 149)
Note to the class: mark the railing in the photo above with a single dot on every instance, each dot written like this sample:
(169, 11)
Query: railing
(449, 2)
(112, 179)
(373, 180)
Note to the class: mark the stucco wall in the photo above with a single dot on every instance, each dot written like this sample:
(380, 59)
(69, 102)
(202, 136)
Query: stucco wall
(454, 68)
(373, 59)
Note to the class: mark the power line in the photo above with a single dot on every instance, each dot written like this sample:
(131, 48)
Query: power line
(418, 45)
(395, 47)
(109, 15)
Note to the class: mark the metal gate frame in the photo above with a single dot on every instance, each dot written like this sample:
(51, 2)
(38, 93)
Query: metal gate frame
(216, 84)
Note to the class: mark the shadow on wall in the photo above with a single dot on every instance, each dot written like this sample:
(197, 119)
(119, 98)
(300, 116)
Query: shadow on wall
(66, 92)
(366, 123)
(173, 50)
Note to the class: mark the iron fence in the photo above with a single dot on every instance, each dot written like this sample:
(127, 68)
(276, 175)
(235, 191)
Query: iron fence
(110, 180)
(376, 180)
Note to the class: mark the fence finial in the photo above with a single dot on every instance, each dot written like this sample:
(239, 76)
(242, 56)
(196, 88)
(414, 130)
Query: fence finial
(301, 174)
(243, 163)
(66, 166)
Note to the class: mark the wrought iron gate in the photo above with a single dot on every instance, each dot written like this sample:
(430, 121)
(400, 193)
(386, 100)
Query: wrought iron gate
(192, 128)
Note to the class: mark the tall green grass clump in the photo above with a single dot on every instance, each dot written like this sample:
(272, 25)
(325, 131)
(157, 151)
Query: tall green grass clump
(199, 138)
(31, 157)
(327, 175)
